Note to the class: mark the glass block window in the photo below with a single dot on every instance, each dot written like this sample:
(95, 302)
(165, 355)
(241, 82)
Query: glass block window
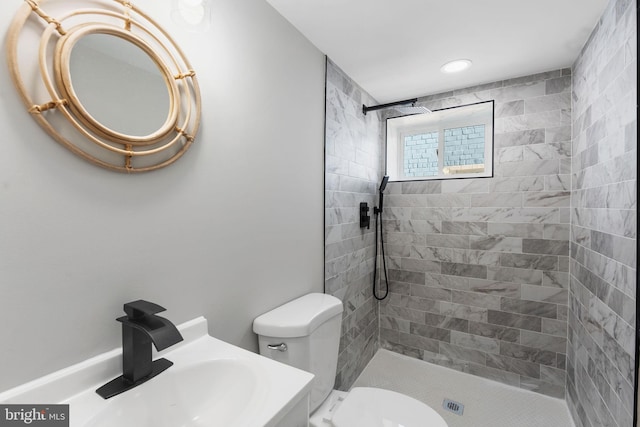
(421, 154)
(464, 149)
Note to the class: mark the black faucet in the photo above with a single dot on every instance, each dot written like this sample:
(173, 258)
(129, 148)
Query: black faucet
(141, 327)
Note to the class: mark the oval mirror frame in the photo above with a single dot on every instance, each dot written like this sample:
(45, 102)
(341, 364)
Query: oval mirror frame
(62, 114)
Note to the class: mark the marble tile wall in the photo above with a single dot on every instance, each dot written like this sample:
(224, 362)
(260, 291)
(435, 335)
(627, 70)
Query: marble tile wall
(478, 268)
(600, 358)
(353, 167)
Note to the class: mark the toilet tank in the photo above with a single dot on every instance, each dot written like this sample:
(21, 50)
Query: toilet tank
(310, 329)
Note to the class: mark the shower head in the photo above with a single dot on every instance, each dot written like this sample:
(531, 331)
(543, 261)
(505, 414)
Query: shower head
(408, 110)
(383, 184)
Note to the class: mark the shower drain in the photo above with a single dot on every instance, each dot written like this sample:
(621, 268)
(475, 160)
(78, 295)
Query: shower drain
(453, 406)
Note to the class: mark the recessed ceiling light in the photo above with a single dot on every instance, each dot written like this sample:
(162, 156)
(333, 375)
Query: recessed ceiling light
(456, 66)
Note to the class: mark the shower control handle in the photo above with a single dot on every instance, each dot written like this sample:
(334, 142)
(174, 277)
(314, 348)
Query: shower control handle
(365, 218)
(279, 347)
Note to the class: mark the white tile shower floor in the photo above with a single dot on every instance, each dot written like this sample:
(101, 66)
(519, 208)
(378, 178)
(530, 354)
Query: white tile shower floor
(486, 403)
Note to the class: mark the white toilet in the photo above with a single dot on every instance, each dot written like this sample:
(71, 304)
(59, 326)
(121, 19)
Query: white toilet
(305, 333)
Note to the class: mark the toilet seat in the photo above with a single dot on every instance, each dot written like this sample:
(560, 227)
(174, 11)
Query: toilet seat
(377, 407)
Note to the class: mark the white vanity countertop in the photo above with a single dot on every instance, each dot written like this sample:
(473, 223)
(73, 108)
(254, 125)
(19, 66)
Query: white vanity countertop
(210, 380)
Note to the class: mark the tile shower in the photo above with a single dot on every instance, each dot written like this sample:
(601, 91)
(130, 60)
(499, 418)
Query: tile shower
(602, 299)
(527, 278)
(478, 268)
(353, 153)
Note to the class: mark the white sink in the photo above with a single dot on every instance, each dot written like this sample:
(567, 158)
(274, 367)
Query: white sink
(212, 383)
(222, 391)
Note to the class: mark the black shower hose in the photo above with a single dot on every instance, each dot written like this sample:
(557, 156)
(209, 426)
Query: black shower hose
(378, 214)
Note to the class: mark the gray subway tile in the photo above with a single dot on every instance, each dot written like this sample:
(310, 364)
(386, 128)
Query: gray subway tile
(465, 186)
(516, 230)
(529, 354)
(448, 282)
(515, 275)
(494, 374)
(538, 262)
(619, 248)
(447, 200)
(531, 167)
(430, 253)
(545, 294)
(415, 303)
(487, 345)
(508, 109)
(469, 256)
(464, 227)
(497, 200)
(547, 247)
(549, 150)
(418, 342)
(401, 349)
(498, 332)
(533, 121)
(464, 270)
(406, 276)
(518, 91)
(552, 389)
(553, 101)
(560, 182)
(448, 241)
(501, 318)
(421, 187)
(434, 293)
(516, 366)
(402, 313)
(507, 215)
(522, 137)
(475, 314)
(431, 332)
(462, 353)
(509, 154)
(498, 288)
(521, 183)
(555, 279)
(533, 78)
(419, 265)
(531, 308)
(496, 243)
(554, 327)
(558, 134)
(447, 322)
(543, 341)
(395, 324)
(558, 199)
(476, 299)
(558, 85)
(555, 232)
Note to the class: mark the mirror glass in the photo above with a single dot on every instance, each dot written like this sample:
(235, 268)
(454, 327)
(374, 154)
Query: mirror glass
(119, 84)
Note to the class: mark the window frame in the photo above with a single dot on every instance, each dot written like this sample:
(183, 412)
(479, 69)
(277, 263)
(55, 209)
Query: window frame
(437, 121)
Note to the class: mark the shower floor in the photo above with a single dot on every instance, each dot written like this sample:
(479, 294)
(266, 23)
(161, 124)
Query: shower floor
(486, 403)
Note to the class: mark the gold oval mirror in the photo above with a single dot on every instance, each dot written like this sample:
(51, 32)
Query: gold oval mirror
(115, 88)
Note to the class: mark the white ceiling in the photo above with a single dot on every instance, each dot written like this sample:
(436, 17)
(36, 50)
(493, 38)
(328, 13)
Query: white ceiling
(394, 48)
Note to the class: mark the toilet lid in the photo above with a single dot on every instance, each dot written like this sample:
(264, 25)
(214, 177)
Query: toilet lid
(377, 407)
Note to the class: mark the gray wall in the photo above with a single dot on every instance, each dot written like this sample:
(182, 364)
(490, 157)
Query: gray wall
(353, 169)
(220, 233)
(479, 267)
(603, 236)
